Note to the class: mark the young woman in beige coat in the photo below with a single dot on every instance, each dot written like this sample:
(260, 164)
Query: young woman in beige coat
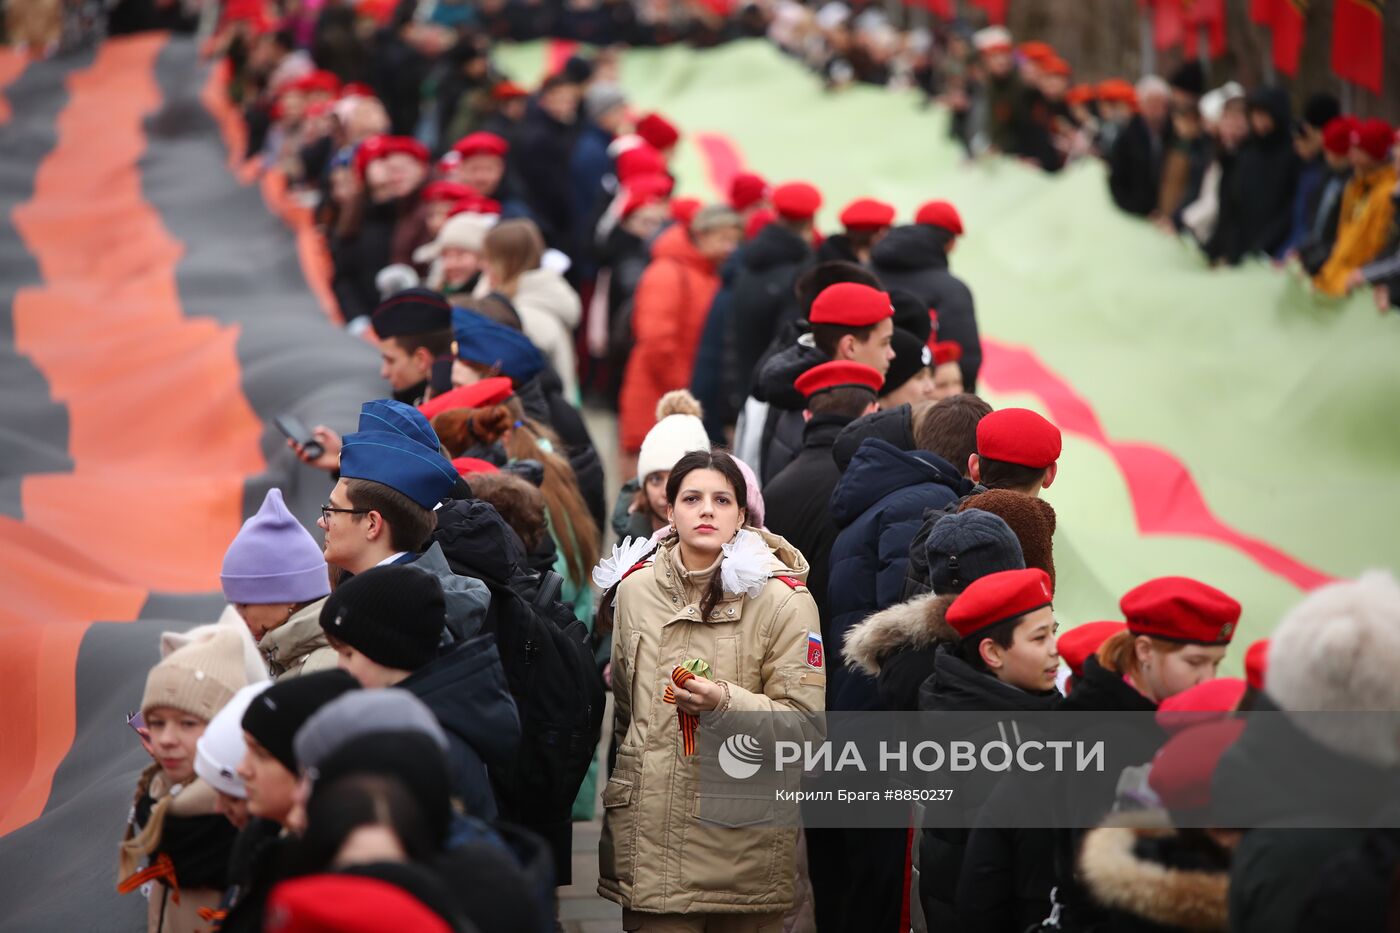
(733, 597)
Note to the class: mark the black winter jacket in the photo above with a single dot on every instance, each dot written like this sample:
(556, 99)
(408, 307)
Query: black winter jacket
(763, 300)
(1256, 200)
(783, 430)
(914, 259)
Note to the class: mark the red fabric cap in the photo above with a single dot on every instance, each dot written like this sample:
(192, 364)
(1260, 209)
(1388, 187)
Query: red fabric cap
(1256, 663)
(746, 190)
(1205, 702)
(940, 214)
(492, 391)
(475, 204)
(998, 597)
(850, 304)
(683, 210)
(1078, 643)
(659, 132)
(837, 374)
(639, 160)
(508, 90)
(1336, 135)
(1182, 771)
(1116, 90)
(1055, 65)
(481, 143)
(644, 190)
(796, 200)
(757, 221)
(946, 351)
(377, 147)
(347, 904)
(867, 214)
(1037, 51)
(446, 191)
(1080, 94)
(1373, 137)
(469, 465)
(1180, 609)
(356, 89)
(1020, 436)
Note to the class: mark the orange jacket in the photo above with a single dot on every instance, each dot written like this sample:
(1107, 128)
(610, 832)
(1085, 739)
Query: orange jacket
(668, 313)
(1362, 227)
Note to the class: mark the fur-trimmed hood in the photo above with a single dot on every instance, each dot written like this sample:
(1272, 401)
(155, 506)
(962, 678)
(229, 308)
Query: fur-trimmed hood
(918, 623)
(1121, 878)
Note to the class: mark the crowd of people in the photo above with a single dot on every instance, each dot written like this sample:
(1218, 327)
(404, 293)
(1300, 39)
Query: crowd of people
(396, 726)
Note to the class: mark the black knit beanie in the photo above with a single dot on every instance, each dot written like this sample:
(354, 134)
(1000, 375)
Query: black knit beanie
(276, 714)
(911, 314)
(910, 356)
(393, 615)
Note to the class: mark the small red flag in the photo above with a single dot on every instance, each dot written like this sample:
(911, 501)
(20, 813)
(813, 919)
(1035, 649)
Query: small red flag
(1211, 15)
(1169, 25)
(1356, 42)
(1262, 11)
(995, 10)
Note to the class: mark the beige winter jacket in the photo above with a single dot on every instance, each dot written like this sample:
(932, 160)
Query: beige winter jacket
(656, 856)
(298, 646)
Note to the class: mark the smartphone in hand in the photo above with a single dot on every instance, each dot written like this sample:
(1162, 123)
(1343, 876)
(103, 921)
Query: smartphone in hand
(292, 427)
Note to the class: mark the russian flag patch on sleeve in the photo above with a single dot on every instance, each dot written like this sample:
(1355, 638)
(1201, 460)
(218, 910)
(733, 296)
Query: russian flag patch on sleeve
(814, 651)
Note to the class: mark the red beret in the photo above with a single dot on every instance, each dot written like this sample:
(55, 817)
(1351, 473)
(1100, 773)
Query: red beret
(1256, 663)
(796, 200)
(1020, 436)
(1080, 94)
(867, 214)
(1183, 768)
(1373, 137)
(645, 189)
(1336, 135)
(508, 90)
(757, 221)
(940, 214)
(481, 143)
(1078, 643)
(468, 465)
(347, 904)
(1205, 702)
(492, 391)
(946, 351)
(659, 132)
(746, 190)
(377, 147)
(1037, 51)
(1116, 90)
(475, 204)
(838, 374)
(850, 304)
(356, 89)
(1054, 65)
(446, 191)
(639, 160)
(1180, 609)
(683, 210)
(998, 597)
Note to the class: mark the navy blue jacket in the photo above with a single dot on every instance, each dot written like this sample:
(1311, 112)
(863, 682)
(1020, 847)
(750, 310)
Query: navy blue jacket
(878, 505)
(466, 690)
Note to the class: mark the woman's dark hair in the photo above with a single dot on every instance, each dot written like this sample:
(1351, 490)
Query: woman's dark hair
(357, 800)
(721, 462)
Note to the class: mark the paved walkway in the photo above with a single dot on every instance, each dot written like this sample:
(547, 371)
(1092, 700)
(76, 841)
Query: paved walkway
(581, 910)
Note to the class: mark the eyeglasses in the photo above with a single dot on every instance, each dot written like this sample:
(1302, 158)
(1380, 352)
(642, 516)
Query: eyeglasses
(327, 510)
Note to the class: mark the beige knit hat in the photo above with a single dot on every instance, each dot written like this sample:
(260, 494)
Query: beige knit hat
(201, 675)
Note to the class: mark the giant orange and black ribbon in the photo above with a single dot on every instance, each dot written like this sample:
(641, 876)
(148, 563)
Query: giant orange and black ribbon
(162, 869)
(689, 722)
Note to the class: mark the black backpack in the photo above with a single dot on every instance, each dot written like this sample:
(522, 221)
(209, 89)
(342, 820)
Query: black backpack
(550, 670)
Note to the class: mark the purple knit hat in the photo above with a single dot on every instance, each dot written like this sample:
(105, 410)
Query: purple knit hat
(273, 559)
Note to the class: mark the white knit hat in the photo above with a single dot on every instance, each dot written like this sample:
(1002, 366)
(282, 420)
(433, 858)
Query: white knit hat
(1337, 651)
(465, 231)
(670, 439)
(221, 748)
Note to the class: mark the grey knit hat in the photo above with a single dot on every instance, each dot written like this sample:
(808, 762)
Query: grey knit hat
(600, 98)
(362, 712)
(968, 546)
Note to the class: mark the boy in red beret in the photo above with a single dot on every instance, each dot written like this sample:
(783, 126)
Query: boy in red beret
(1017, 449)
(1005, 661)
